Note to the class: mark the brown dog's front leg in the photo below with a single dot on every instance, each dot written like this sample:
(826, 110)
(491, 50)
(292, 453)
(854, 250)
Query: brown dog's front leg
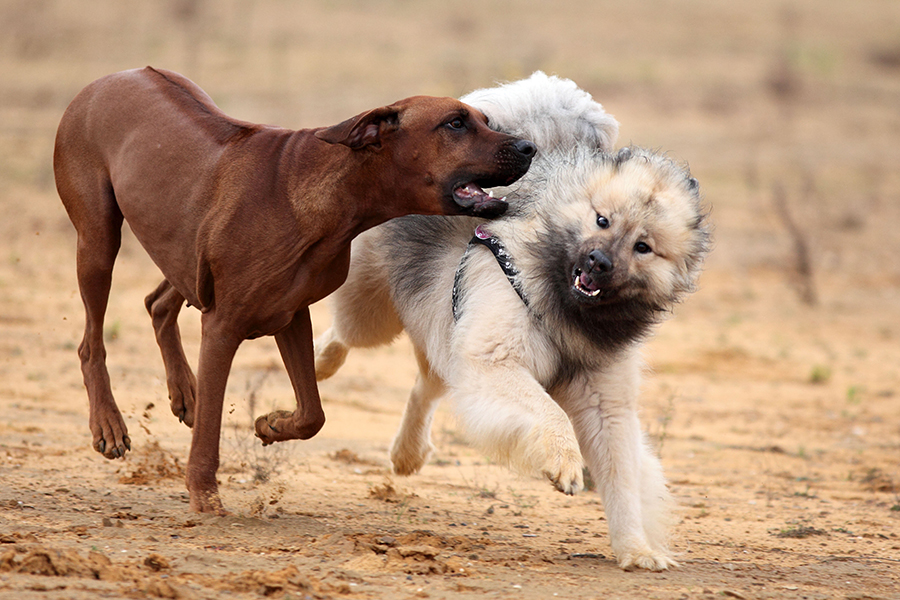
(164, 304)
(217, 350)
(296, 345)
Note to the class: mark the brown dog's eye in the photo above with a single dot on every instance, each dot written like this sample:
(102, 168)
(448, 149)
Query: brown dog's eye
(602, 222)
(642, 248)
(456, 123)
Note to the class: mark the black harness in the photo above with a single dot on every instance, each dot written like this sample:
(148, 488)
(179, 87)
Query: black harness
(504, 259)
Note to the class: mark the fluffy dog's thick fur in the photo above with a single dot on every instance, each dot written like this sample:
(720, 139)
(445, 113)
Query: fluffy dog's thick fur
(605, 244)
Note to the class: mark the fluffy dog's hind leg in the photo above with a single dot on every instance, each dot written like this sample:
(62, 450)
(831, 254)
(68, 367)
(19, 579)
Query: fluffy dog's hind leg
(412, 446)
(363, 311)
(330, 354)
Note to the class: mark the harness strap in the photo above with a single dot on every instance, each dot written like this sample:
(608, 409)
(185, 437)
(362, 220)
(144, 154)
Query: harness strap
(504, 259)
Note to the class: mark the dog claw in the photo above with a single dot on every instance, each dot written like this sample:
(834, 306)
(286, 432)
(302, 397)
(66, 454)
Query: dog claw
(102, 446)
(127, 441)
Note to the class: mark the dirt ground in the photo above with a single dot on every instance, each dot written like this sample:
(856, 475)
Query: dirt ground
(773, 394)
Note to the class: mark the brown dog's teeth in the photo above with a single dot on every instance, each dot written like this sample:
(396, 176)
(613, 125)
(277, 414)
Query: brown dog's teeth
(470, 190)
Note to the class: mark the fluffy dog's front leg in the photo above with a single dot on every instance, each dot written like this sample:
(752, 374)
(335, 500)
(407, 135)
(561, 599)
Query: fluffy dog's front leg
(628, 476)
(507, 413)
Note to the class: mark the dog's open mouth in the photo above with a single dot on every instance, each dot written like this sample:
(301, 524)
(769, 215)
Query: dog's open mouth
(473, 198)
(584, 284)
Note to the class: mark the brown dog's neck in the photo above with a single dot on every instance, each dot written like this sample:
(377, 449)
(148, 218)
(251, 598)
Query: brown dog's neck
(352, 190)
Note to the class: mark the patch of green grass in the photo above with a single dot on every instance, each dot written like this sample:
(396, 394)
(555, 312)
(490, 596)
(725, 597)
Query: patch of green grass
(819, 374)
(486, 493)
(111, 332)
(803, 531)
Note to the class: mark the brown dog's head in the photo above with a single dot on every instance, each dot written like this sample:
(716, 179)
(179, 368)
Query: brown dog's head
(438, 153)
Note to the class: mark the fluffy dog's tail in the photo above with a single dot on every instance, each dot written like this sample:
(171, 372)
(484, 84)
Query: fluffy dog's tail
(550, 111)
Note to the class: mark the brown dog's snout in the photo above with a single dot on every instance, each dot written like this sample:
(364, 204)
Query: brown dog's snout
(514, 159)
(526, 148)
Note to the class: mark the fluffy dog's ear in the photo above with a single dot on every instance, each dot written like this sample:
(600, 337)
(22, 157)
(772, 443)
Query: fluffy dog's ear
(362, 131)
(624, 154)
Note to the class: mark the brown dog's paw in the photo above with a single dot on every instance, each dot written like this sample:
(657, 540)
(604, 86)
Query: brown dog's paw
(270, 427)
(207, 501)
(281, 425)
(113, 449)
(110, 436)
(181, 398)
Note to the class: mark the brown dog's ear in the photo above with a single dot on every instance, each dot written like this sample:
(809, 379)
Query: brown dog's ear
(365, 130)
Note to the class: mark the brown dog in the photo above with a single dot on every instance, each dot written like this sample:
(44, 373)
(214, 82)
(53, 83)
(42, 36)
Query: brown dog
(250, 224)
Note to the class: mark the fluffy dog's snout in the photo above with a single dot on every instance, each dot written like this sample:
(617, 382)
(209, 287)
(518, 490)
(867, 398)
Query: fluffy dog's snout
(598, 261)
(591, 273)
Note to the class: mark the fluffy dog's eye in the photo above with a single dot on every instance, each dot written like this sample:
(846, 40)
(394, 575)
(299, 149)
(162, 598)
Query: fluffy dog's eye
(642, 248)
(456, 123)
(602, 222)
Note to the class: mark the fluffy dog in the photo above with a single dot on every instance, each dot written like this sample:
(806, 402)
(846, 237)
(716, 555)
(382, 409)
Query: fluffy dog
(538, 340)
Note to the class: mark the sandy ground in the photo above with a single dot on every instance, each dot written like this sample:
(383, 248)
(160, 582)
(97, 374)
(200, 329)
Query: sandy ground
(776, 417)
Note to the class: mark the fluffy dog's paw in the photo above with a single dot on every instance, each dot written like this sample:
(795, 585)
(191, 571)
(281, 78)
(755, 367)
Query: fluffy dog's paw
(646, 559)
(563, 465)
(330, 355)
(408, 458)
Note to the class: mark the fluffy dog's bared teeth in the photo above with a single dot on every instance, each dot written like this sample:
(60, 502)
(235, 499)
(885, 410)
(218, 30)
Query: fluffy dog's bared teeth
(576, 283)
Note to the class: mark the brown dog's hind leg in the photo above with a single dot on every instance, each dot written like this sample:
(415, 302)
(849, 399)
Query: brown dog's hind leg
(296, 345)
(99, 238)
(164, 304)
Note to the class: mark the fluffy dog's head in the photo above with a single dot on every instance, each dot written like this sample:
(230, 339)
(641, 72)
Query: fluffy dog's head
(553, 112)
(622, 239)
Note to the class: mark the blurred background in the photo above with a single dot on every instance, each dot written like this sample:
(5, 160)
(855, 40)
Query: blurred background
(788, 112)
